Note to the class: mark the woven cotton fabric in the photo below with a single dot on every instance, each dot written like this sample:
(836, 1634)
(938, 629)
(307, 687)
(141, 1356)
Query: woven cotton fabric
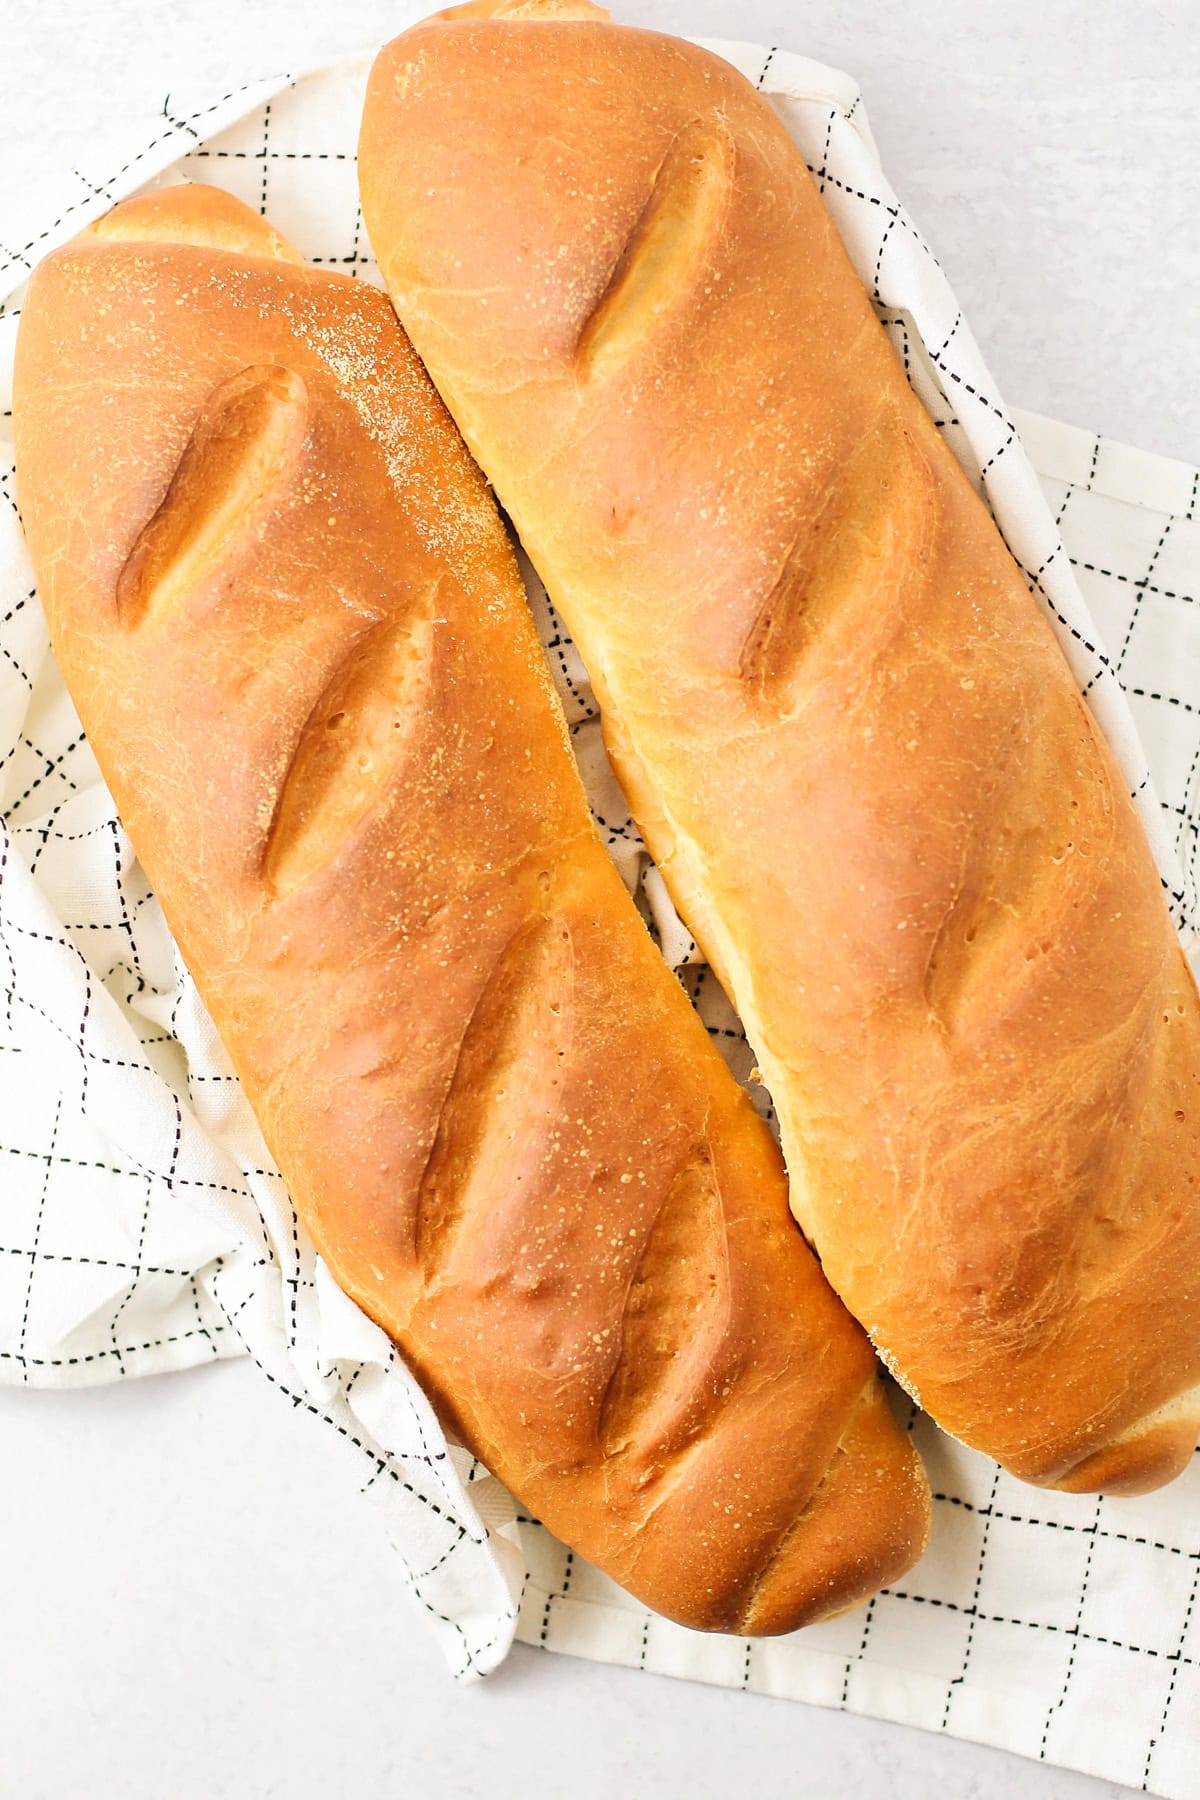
(143, 1227)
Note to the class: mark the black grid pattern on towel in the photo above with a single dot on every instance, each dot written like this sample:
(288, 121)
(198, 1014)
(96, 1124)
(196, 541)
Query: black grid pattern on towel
(1060, 1627)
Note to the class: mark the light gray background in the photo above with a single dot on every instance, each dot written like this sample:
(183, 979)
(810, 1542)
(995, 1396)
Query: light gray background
(194, 1606)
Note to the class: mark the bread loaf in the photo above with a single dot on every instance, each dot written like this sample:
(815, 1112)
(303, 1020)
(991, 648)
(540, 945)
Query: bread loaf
(291, 621)
(843, 724)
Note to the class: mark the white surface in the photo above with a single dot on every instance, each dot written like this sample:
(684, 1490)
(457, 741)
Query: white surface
(194, 1611)
(135, 1579)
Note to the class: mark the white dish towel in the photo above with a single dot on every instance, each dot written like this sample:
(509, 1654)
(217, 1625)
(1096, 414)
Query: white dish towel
(142, 1227)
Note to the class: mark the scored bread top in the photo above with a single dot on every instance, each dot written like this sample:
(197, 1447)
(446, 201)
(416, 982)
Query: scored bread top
(291, 620)
(844, 727)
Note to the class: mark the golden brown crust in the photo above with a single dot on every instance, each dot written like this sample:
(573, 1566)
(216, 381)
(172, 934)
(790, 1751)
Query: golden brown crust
(524, 9)
(291, 621)
(845, 728)
(1146, 1455)
(192, 213)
